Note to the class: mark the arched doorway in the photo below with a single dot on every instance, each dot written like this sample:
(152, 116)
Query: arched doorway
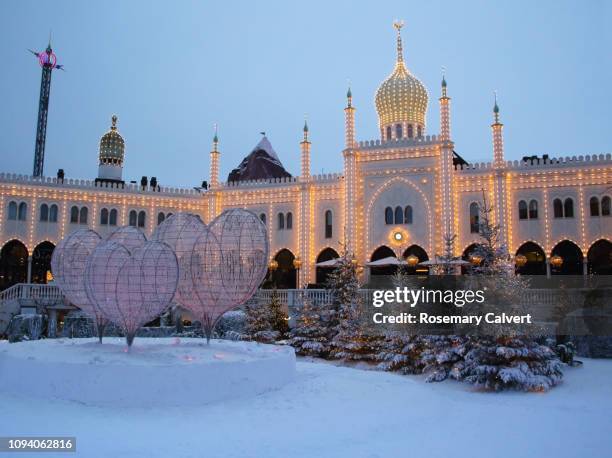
(13, 264)
(600, 258)
(323, 272)
(571, 256)
(466, 256)
(380, 253)
(285, 275)
(41, 261)
(421, 254)
(536, 259)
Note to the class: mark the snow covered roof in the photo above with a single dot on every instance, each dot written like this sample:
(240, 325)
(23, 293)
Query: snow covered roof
(261, 163)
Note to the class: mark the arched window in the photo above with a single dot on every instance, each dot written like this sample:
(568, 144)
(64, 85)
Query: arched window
(160, 218)
(419, 131)
(522, 209)
(83, 215)
(328, 224)
(133, 218)
(262, 217)
(289, 220)
(399, 215)
(23, 210)
(142, 216)
(594, 205)
(410, 131)
(388, 215)
(44, 212)
(408, 215)
(399, 132)
(74, 214)
(281, 221)
(12, 211)
(53, 213)
(112, 221)
(388, 133)
(558, 208)
(533, 209)
(605, 206)
(474, 218)
(568, 208)
(104, 217)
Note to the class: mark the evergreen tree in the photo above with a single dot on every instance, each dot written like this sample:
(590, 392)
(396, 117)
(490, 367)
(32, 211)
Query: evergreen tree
(258, 326)
(279, 319)
(309, 337)
(401, 353)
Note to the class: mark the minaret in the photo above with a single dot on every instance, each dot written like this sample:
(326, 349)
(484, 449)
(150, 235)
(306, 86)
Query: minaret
(214, 162)
(305, 148)
(445, 133)
(349, 121)
(48, 62)
(111, 155)
(498, 138)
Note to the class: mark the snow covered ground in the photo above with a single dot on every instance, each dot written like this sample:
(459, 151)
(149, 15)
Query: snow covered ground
(332, 411)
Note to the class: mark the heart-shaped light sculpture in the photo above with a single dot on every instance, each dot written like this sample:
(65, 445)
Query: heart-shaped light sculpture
(128, 236)
(68, 264)
(131, 288)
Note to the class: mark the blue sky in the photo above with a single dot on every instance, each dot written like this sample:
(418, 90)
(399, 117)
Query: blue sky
(170, 70)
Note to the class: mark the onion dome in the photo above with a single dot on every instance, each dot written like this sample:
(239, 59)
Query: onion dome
(112, 146)
(401, 98)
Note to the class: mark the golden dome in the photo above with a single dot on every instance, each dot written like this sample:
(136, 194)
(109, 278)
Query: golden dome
(401, 98)
(112, 146)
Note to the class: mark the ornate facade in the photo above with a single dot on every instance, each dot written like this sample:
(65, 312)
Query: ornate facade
(397, 195)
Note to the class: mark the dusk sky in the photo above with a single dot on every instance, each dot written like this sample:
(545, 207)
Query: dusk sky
(170, 70)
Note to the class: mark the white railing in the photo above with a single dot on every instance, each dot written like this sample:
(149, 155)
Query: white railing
(33, 291)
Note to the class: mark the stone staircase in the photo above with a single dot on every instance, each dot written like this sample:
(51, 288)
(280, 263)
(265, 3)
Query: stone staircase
(26, 298)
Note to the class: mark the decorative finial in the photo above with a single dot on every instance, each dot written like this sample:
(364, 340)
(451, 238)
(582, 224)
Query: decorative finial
(443, 76)
(263, 133)
(216, 137)
(400, 53)
(49, 45)
(305, 123)
(114, 122)
(496, 108)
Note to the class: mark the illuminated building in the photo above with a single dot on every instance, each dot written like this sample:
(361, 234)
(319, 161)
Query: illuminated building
(397, 195)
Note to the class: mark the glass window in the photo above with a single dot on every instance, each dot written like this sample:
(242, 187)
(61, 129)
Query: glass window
(104, 217)
(44, 212)
(388, 215)
(23, 210)
(558, 208)
(281, 221)
(408, 215)
(83, 215)
(419, 131)
(399, 133)
(474, 218)
(533, 209)
(133, 218)
(399, 215)
(522, 207)
(594, 205)
(12, 211)
(142, 216)
(568, 208)
(289, 220)
(262, 217)
(388, 132)
(410, 131)
(160, 218)
(605, 206)
(74, 214)
(53, 213)
(112, 220)
(328, 224)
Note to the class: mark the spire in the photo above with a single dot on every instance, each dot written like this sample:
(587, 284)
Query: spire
(114, 122)
(496, 109)
(400, 52)
(349, 97)
(305, 129)
(215, 139)
(444, 82)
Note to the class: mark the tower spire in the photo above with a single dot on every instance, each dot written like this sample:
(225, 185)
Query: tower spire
(349, 121)
(305, 152)
(496, 109)
(214, 161)
(400, 51)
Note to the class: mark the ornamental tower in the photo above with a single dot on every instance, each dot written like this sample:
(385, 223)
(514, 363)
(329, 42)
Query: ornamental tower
(214, 162)
(111, 155)
(446, 168)
(498, 139)
(305, 149)
(401, 100)
(499, 165)
(48, 62)
(349, 121)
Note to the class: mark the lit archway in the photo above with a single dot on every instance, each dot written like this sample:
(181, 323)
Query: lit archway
(536, 259)
(285, 275)
(571, 257)
(421, 254)
(323, 272)
(13, 264)
(380, 253)
(41, 261)
(599, 257)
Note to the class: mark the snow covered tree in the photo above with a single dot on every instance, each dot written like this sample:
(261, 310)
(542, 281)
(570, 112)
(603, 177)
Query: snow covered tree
(350, 342)
(309, 337)
(279, 319)
(442, 356)
(448, 261)
(401, 353)
(257, 326)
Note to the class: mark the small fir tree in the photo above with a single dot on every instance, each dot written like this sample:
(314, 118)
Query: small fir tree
(309, 337)
(257, 326)
(278, 318)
